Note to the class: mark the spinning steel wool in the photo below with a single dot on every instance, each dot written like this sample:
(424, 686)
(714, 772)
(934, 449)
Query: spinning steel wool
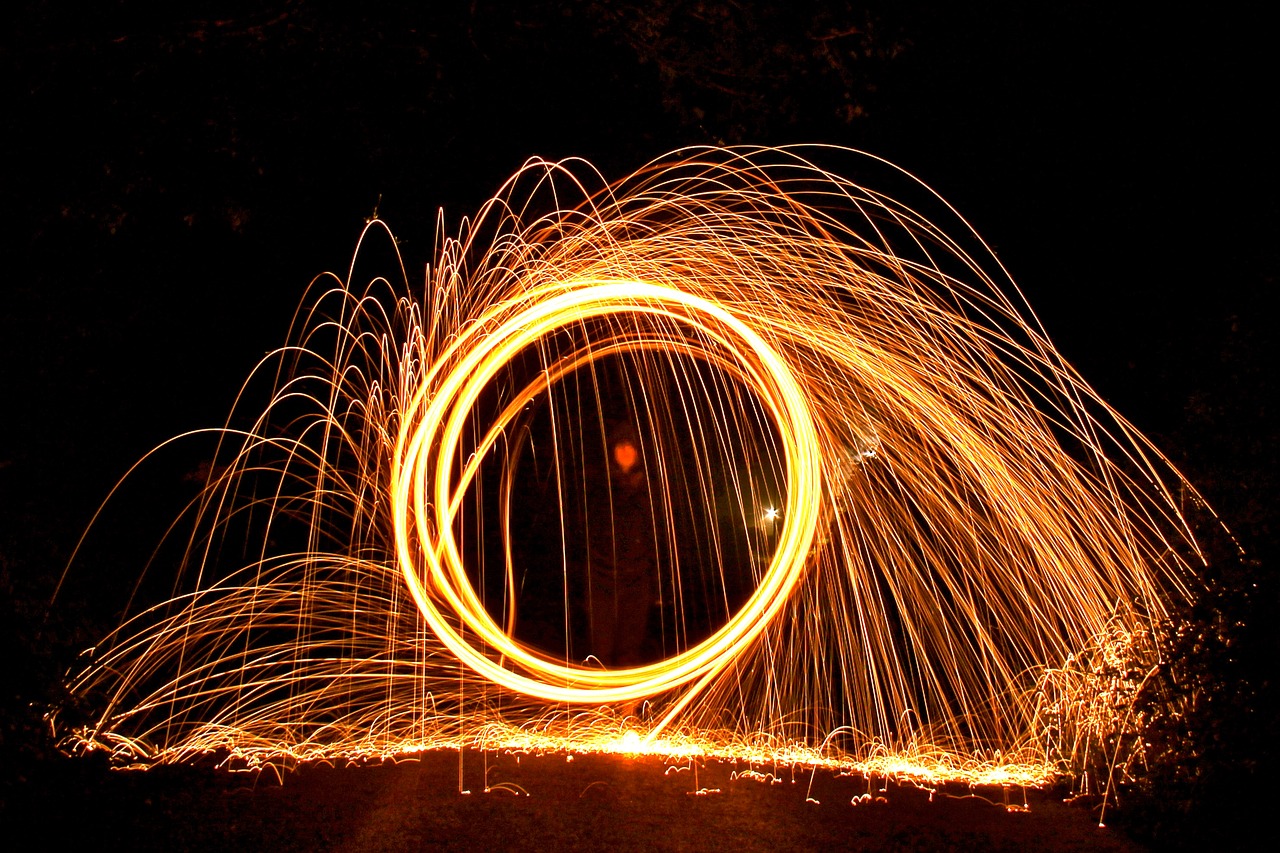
(883, 506)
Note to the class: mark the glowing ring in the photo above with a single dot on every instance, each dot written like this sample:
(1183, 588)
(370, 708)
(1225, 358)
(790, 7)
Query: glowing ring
(428, 442)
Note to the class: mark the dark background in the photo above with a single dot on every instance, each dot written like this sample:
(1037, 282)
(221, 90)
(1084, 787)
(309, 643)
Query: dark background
(176, 173)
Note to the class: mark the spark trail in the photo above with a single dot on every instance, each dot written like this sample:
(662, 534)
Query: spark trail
(886, 510)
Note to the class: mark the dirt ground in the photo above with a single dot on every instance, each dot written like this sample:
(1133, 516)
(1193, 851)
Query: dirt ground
(495, 801)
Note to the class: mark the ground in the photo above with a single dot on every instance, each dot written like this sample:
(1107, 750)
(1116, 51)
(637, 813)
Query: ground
(534, 802)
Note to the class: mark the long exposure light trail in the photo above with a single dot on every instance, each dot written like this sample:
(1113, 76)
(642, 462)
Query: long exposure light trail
(421, 447)
(889, 521)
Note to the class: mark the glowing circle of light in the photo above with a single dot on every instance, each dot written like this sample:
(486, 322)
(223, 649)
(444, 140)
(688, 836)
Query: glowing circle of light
(424, 491)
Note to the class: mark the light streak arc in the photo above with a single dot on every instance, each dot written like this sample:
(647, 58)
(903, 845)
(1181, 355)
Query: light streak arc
(961, 516)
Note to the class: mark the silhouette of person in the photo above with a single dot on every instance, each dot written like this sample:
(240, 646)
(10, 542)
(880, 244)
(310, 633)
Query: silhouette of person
(622, 568)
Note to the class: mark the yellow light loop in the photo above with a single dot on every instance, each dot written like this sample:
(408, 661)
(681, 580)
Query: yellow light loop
(425, 502)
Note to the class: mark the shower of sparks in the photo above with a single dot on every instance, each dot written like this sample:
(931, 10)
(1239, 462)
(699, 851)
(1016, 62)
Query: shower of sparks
(889, 516)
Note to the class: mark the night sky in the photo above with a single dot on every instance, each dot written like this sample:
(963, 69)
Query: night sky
(175, 175)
